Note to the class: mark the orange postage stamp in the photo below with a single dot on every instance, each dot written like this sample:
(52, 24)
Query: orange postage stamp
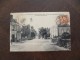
(64, 20)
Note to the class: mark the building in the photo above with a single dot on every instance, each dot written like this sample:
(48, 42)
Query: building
(15, 30)
(63, 28)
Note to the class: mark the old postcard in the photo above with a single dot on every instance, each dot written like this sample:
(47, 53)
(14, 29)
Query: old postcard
(40, 31)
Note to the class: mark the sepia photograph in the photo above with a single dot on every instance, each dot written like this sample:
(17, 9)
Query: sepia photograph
(40, 31)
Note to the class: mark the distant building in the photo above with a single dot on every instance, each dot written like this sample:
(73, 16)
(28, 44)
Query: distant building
(53, 31)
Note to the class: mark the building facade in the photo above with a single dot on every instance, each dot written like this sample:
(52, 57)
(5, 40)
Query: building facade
(15, 31)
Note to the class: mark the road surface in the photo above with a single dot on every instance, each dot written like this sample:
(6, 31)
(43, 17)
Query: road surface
(35, 45)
